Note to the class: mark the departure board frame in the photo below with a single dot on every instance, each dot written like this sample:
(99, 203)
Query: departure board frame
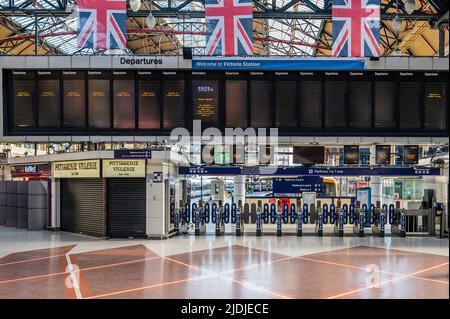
(317, 77)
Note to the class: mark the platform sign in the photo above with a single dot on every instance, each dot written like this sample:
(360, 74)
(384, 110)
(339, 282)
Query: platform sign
(123, 168)
(309, 171)
(76, 169)
(133, 154)
(292, 187)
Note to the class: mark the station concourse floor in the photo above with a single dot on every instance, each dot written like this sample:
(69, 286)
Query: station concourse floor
(45, 264)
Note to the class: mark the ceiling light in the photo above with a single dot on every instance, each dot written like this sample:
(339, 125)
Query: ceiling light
(410, 6)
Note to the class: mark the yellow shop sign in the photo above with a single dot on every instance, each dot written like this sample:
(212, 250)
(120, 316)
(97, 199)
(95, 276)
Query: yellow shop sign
(76, 169)
(123, 168)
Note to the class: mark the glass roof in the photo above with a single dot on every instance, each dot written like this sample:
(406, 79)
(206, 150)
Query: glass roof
(282, 36)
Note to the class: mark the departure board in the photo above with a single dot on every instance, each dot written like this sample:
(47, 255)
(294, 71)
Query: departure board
(351, 154)
(261, 103)
(236, 103)
(124, 104)
(383, 155)
(286, 104)
(49, 102)
(74, 99)
(205, 100)
(385, 101)
(310, 104)
(99, 103)
(435, 105)
(174, 103)
(23, 92)
(335, 107)
(410, 154)
(149, 108)
(360, 103)
(409, 104)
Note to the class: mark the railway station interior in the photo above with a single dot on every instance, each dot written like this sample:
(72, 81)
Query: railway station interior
(161, 159)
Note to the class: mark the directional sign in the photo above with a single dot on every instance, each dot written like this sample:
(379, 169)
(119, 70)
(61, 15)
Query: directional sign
(294, 186)
(133, 154)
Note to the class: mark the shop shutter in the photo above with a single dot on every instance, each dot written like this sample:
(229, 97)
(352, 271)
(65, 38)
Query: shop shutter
(126, 207)
(83, 206)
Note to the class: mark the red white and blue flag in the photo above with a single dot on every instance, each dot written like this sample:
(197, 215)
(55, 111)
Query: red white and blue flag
(102, 24)
(356, 28)
(229, 27)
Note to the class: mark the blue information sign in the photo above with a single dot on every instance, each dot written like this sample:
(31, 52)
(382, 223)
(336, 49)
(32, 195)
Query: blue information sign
(277, 64)
(310, 171)
(133, 154)
(293, 186)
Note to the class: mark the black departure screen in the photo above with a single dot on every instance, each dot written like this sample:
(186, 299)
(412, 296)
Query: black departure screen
(360, 104)
(205, 100)
(310, 104)
(409, 111)
(49, 103)
(99, 103)
(435, 105)
(351, 154)
(236, 103)
(74, 99)
(149, 109)
(308, 155)
(124, 110)
(335, 107)
(23, 92)
(286, 104)
(174, 104)
(261, 103)
(385, 101)
(383, 155)
(410, 154)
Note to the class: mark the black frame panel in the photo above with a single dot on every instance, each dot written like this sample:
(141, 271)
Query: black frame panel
(425, 78)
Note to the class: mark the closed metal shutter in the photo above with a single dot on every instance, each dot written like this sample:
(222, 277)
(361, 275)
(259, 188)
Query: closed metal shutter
(126, 207)
(83, 206)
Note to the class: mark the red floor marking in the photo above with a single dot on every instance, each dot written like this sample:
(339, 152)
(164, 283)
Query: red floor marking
(221, 275)
(120, 292)
(364, 269)
(30, 260)
(81, 270)
(411, 275)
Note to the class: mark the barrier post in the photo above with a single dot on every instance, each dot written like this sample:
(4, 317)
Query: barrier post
(402, 223)
(279, 222)
(258, 221)
(238, 219)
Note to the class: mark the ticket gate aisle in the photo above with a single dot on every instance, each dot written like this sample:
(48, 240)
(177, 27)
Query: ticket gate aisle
(294, 219)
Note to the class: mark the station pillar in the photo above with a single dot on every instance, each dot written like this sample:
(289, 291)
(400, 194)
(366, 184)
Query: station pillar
(239, 189)
(159, 177)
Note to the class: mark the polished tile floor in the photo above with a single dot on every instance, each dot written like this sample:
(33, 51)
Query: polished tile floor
(46, 264)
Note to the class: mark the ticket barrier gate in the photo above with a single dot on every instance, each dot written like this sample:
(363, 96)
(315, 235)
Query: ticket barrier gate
(238, 219)
(359, 219)
(378, 226)
(258, 221)
(338, 218)
(398, 226)
(220, 225)
(319, 220)
(198, 216)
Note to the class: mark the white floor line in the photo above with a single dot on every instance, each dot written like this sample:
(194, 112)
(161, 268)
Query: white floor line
(73, 276)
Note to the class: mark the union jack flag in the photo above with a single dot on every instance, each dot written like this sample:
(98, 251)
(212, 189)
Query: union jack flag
(101, 24)
(229, 27)
(356, 28)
